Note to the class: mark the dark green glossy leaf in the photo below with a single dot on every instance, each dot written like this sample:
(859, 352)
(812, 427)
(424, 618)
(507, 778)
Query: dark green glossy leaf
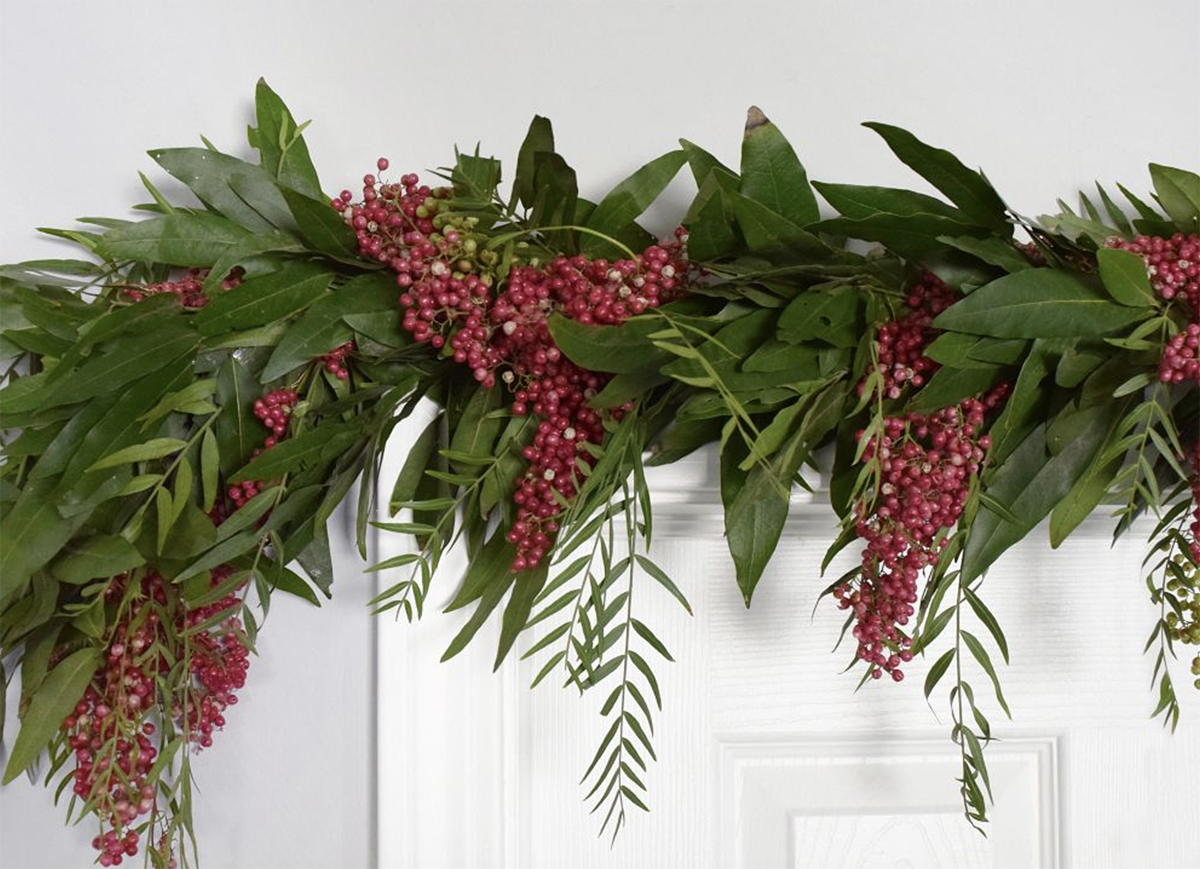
(1124, 275)
(966, 188)
(282, 151)
(323, 228)
(625, 203)
(1038, 303)
(265, 299)
(315, 446)
(177, 239)
(321, 328)
(772, 174)
(256, 204)
(1179, 193)
(856, 201)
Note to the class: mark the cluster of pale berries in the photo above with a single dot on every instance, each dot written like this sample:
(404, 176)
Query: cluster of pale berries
(449, 299)
(1174, 267)
(924, 466)
(109, 729)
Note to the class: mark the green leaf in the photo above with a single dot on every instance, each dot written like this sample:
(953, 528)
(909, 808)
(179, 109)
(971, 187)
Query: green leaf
(1179, 193)
(55, 698)
(127, 361)
(528, 584)
(937, 671)
(321, 327)
(1125, 277)
(289, 162)
(967, 189)
(155, 448)
(1038, 303)
(829, 317)
(240, 191)
(993, 251)
(912, 235)
(1030, 484)
(313, 447)
(539, 138)
(949, 386)
(981, 656)
(624, 349)
(989, 621)
(772, 174)
(856, 201)
(618, 210)
(176, 239)
(237, 430)
(665, 581)
(210, 468)
(321, 226)
(95, 558)
(418, 459)
(764, 230)
(262, 300)
(34, 532)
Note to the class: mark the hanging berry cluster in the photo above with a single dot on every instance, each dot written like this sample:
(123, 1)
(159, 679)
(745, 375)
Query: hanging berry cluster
(925, 467)
(110, 730)
(1174, 267)
(452, 298)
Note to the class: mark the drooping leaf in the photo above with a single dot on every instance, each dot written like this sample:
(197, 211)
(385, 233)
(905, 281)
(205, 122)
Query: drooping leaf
(55, 698)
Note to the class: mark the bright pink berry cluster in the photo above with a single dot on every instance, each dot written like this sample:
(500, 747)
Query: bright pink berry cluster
(189, 288)
(448, 299)
(220, 659)
(108, 728)
(1173, 263)
(273, 410)
(925, 466)
(335, 360)
(902, 343)
(1181, 357)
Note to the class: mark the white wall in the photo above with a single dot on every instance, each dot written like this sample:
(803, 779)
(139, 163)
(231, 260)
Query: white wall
(1046, 97)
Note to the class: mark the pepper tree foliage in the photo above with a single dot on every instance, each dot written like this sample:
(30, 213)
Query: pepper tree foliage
(135, 477)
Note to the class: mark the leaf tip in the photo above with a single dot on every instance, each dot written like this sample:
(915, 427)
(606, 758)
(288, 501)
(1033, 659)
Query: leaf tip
(755, 119)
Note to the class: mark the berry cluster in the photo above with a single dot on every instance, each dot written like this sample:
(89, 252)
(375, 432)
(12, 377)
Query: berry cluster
(335, 362)
(108, 729)
(219, 661)
(446, 276)
(1181, 358)
(902, 343)
(925, 466)
(1173, 263)
(189, 288)
(273, 410)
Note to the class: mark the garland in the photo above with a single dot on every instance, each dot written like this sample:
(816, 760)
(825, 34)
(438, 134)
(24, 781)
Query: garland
(185, 408)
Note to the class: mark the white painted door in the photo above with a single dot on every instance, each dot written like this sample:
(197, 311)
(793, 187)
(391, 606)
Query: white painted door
(768, 757)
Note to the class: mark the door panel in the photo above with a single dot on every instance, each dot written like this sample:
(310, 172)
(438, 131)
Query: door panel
(769, 758)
